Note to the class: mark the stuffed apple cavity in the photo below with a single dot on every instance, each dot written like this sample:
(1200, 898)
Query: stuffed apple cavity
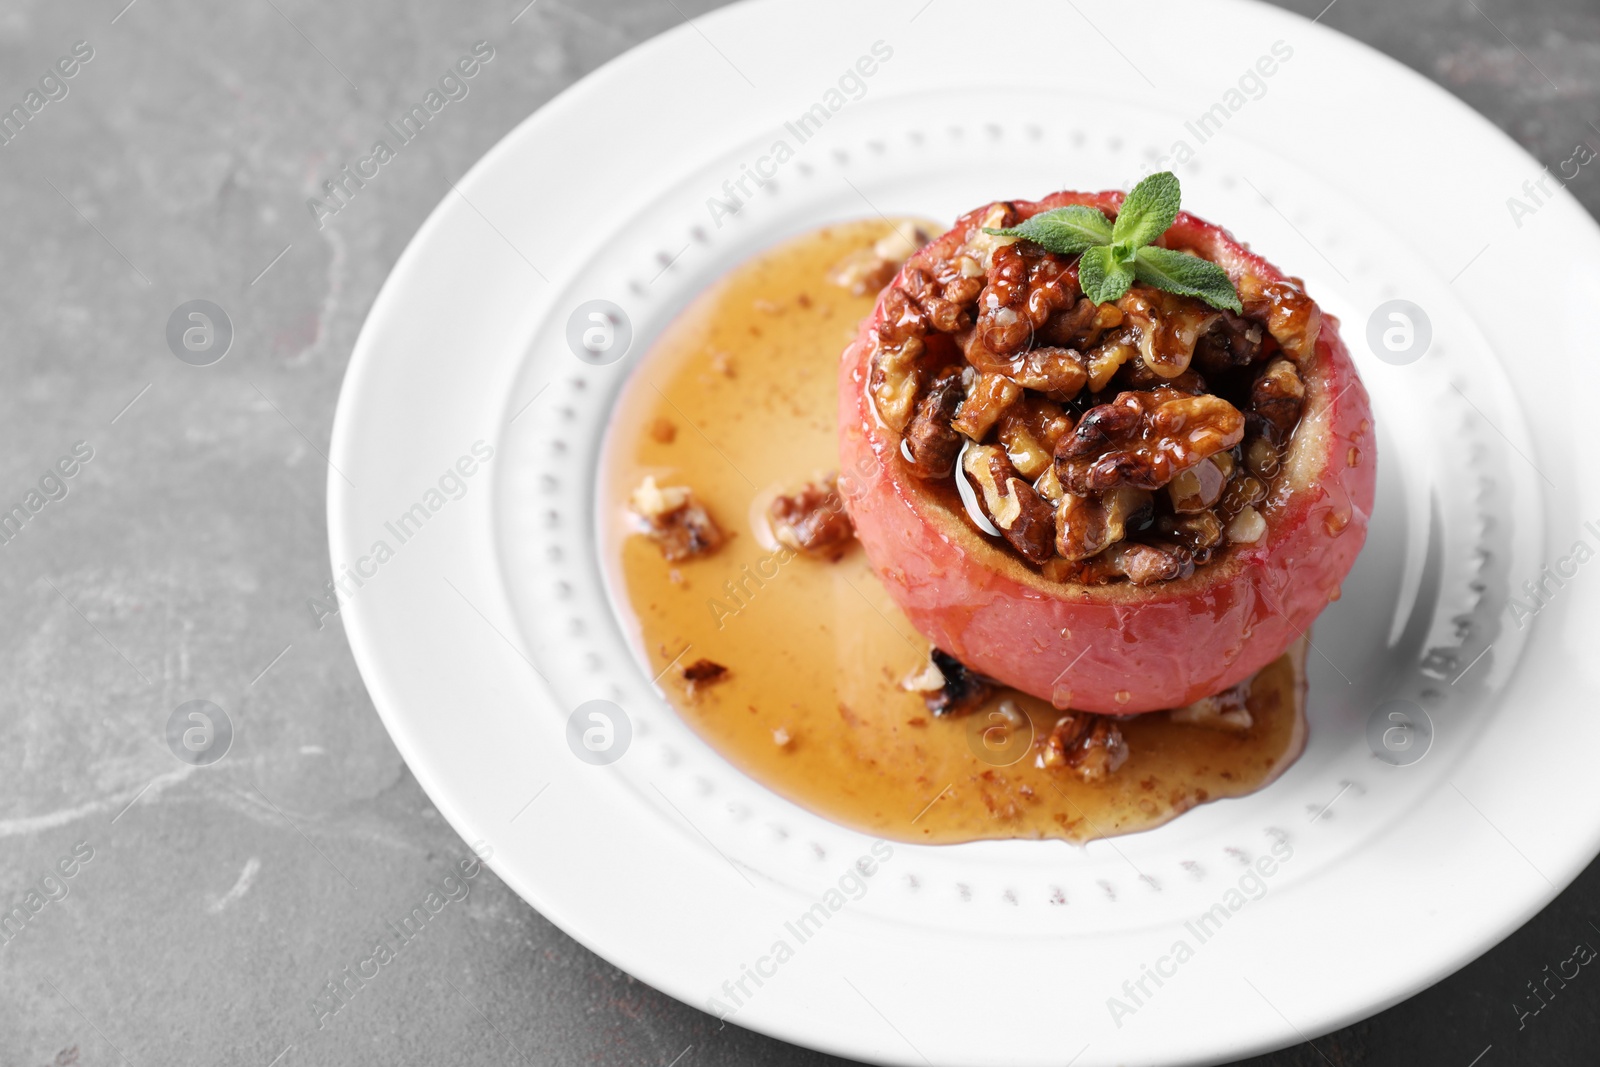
(1099, 451)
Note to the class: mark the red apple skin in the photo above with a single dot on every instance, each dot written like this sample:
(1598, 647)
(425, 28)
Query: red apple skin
(1119, 648)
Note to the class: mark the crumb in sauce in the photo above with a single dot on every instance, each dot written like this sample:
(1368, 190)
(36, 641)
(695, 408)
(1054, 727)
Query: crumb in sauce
(671, 517)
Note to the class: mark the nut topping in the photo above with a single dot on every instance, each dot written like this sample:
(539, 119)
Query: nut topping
(1228, 710)
(1091, 746)
(1087, 525)
(1277, 396)
(812, 520)
(1291, 317)
(1025, 520)
(932, 442)
(1075, 416)
(671, 517)
(1144, 439)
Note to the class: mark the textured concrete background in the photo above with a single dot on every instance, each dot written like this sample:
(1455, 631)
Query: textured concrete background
(210, 913)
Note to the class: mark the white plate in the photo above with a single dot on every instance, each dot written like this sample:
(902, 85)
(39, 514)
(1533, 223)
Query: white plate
(489, 626)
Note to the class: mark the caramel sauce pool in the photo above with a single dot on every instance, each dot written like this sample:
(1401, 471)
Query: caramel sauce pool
(737, 401)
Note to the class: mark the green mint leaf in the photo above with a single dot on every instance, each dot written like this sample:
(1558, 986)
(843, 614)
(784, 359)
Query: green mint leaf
(1103, 279)
(1186, 275)
(1066, 231)
(1148, 211)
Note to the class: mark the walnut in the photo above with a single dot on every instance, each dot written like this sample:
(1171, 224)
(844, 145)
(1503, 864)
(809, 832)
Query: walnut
(1059, 373)
(989, 396)
(1048, 486)
(1233, 341)
(1261, 456)
(981, 246)
(1228, 710)
(932, 443)
(1144, 439)
(1136, 375)
(1247, 526)
(1200, 533)
(867, 270)
(1106, 358)
(944, 314)
(894, 379)
(1023, 518)
(812, 520)
(672, 518)
(1292, 318)
(1086, 526)
(1030, 429)
(862, 272)
(1167, 326)
(1244, 490)
(1081, 325)
(1197, 488)
(1276, 398)
(1092, 746)
(1024, 287)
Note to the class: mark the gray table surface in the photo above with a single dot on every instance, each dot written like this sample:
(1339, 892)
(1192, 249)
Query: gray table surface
(208, 916)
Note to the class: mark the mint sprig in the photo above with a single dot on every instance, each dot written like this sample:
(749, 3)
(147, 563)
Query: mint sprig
(1112, 255)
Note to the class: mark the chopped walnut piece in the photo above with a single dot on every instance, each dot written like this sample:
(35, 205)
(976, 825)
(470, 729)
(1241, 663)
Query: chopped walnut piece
(1247, 527)
(894, 379)
(1196, 489)
(672, 518)
(1261, 457)
(1106, 358)
(1232, 341)
(1030, 429)
(900, 242)
(925, 679)
(813, 519)
(1080, 326)
(1086, 526)
(1292, 318)
(1143, 439)
(1200, 533)
(988, 397)
(1244, 491)
(1228, 710)
(929, 438)
(703, 672)
(981, 245)
(1059, 373)
(869, 269)
(963, 689)
(1137, 376)
(1048, 486)
(1167, 325)
(862, 272)
(1025, 520)
(1276, 398)
(1025, 286)
(1091, 746)
(944, 313)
